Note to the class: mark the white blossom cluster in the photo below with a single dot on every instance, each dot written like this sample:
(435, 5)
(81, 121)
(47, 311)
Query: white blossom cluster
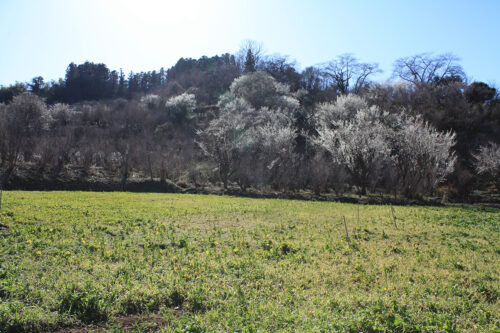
(367, 140)
(151, 101)
(181, 106)
(255, 127)
(488, 162)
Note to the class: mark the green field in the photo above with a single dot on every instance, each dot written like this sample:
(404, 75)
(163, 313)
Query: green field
(124, 261)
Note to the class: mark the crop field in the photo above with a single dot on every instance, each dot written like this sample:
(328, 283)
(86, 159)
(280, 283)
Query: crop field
(78, 261)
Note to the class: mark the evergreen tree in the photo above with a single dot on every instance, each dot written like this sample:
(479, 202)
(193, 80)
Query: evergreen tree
(249, 62)
(121, 84)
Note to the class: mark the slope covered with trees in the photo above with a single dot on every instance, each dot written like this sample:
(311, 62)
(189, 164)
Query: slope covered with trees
(255, 121)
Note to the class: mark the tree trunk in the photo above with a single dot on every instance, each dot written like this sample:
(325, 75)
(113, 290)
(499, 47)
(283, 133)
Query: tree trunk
(163, 172)
(150, 167)
(124, 172)
(124, 179)
(363, 189)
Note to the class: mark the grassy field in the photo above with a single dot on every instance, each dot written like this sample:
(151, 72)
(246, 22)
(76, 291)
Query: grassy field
(123, 261)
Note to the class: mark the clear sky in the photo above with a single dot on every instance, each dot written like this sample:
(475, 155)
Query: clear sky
(43, 37)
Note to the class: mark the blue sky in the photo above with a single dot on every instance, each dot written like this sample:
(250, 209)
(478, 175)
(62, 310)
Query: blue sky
(43, 37)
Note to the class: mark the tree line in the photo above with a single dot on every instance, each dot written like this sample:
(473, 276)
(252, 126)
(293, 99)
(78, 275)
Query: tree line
(255, 121)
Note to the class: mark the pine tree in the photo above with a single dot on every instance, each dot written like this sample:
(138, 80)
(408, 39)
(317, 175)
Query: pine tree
(249, 62)
(121, 84)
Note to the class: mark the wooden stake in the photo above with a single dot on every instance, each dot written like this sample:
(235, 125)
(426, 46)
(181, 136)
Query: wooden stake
(346, 232)
(394, 217)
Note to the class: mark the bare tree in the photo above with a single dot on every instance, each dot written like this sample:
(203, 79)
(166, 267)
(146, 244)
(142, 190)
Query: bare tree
(122, 158)
(24, 119)
(313, 79)
(3, 139)
(283, 70)
(250, 54)
(349, 75)
(423, 69)
(391, 97)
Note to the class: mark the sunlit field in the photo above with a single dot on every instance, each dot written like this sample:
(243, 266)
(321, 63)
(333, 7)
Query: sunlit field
(147, 262)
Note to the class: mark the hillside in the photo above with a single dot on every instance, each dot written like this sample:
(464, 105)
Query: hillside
(259, 123)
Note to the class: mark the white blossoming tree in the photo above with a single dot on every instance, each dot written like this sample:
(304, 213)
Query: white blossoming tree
(274, 142)
(488, 162)
(153, 102)
(370, 143)
(182, 107)
(360, 144)
(222, 140)
(344, 108)
(260, 89)
(253, 138)
(423, 156)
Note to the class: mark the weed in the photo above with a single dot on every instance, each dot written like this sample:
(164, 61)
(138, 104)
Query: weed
(85, 305)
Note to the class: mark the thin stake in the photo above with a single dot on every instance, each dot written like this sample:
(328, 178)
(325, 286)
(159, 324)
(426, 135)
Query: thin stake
(358, 214)
(394, 217)
(346, 232)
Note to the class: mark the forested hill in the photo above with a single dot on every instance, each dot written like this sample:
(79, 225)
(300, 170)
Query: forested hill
(256, 121)
(93, 82)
